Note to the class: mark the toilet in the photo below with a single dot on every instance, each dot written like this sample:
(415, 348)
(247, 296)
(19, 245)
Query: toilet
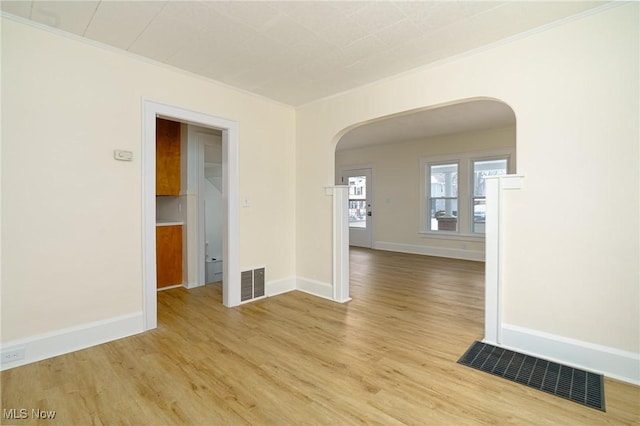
(213, 269)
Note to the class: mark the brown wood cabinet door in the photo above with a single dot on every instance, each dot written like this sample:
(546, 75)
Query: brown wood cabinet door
(168, 255)
(167, 157)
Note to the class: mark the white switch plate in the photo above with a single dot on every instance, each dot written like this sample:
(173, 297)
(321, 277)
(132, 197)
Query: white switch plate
(121, 155)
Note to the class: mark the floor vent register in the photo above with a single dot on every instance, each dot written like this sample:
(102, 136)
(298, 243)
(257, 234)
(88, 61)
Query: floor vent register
(577, 385)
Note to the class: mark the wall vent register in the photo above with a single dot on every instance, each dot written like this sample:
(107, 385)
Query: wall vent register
(251, 284)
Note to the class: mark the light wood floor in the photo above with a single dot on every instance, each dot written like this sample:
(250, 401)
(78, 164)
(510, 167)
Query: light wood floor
(387, 357)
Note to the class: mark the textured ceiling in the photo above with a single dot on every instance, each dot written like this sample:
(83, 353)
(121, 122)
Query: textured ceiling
(412, 126)
(296, 52)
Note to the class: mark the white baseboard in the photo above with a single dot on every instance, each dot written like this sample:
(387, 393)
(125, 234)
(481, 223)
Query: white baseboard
(189, 286)
(315, 288)
(431, 251)
(169, 287)
(611, 362)
(48, 345)
(284, 285)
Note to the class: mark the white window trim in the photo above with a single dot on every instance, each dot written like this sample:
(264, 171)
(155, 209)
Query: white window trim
(425, 216)
(465, 162)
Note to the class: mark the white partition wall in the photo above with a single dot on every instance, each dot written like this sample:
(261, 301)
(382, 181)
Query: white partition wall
(341, 243)
(492, 262)
(494, 228)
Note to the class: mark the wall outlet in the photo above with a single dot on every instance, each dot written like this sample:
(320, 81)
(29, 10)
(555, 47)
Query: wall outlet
(12, 355)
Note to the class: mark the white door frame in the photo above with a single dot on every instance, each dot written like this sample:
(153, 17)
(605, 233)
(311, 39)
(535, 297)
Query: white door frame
(230, 243)
(202, 228)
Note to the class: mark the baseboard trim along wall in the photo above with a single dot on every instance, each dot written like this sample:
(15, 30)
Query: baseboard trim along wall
(48, 345)
(611, 362)
(189, 286)
(284, 285)
(431, 251)
(60, 342)
(315, 288)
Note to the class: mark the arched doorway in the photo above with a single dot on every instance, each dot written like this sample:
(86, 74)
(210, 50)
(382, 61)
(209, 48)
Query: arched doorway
(454, 149)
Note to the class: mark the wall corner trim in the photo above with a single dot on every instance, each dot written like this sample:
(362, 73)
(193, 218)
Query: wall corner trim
(284, 285)
(315, 288)
(73, 339)
(611, 362)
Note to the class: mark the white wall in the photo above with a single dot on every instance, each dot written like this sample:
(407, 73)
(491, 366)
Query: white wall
(213, 219)
(71, 214)
(213, 196)
(572, 242)
(396, 188)
(210, 142)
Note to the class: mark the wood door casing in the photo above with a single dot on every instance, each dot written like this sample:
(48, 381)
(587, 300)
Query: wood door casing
(168, 255)
(167, 157)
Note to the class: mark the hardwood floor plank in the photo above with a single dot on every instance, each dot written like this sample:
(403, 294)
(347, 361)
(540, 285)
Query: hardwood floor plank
(387, 357)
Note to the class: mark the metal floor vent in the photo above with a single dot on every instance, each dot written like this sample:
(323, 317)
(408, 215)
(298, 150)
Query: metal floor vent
(570, 383)
(251, 284)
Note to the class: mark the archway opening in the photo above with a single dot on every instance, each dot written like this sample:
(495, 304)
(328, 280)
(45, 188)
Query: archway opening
(428, 171)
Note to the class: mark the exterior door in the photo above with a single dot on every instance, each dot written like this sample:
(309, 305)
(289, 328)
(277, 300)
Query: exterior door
(360, 213)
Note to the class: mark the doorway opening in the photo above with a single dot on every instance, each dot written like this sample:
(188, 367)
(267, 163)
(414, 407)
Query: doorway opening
(228, 131)
(475, 139)
(360, 182)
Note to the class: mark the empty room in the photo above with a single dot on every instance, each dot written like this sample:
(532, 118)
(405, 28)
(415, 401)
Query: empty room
(340, 212)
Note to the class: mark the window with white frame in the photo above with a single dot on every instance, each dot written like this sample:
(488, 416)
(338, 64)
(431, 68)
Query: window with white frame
(481, 170)
(453, 191)
(443, 197)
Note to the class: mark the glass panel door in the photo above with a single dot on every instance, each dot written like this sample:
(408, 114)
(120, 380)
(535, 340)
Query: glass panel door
(360, 211)
(357, 201)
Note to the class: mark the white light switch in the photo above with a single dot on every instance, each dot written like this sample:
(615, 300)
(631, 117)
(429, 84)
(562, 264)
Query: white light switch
(121, 155)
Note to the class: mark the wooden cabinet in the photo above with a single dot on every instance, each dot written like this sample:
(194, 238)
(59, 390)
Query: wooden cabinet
(168, 238)
(167, 157)
(169, 255)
